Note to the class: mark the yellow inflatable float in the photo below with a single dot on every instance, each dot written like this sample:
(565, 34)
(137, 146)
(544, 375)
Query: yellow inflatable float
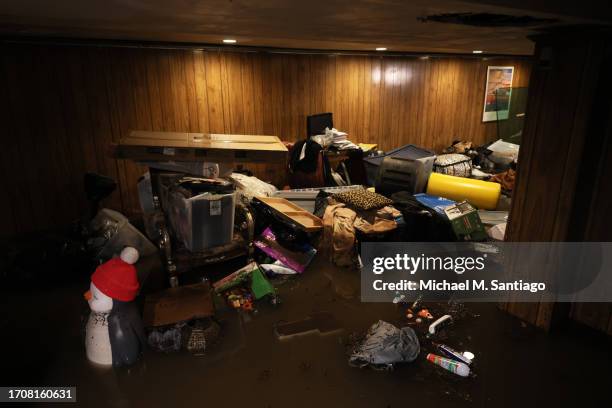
(482, 194)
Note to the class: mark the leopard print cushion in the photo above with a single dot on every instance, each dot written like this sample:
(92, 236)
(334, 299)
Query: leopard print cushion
(362, 199)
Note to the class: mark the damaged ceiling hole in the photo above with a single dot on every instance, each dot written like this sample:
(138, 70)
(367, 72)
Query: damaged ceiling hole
(487, 20)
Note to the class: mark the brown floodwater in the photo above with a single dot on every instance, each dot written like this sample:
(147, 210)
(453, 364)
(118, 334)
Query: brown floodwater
(515, 365)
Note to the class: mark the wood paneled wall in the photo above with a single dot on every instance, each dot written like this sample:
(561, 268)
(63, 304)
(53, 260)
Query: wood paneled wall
(563, 190)
(62, 106)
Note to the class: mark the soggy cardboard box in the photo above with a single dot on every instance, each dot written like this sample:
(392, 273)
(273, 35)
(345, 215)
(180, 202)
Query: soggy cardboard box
(178, 304)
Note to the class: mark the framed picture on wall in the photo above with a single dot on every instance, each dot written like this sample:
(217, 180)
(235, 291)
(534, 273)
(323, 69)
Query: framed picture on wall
(497, 93)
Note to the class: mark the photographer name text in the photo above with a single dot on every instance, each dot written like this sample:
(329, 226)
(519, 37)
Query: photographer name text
(466, 285)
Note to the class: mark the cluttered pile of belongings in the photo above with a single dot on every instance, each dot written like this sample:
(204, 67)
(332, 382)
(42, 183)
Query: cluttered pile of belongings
(257, 234)
(405, 194)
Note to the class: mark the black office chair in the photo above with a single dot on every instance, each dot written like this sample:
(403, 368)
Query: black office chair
(353, 168)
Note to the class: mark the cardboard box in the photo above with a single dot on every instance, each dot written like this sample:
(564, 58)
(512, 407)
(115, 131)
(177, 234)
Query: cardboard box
(178, 305)
(465, 222)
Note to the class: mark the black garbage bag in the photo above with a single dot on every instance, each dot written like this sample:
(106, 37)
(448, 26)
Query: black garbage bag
(422, 224)
(386, 345)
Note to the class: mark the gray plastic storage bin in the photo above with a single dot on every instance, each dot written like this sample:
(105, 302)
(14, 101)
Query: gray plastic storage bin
(402, 174)
(203, 221)
(407, 152)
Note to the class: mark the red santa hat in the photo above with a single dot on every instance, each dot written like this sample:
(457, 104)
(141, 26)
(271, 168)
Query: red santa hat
(117, 278)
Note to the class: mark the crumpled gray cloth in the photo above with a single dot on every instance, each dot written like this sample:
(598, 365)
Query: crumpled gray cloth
(385, 345)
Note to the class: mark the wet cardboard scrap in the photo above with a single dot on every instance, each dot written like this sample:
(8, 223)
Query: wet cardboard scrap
(178, 304)
(321, 323)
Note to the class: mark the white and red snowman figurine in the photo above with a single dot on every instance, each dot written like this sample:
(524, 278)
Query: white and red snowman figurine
(114, 333)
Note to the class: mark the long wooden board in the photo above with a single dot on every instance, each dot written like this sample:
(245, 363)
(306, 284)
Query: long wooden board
(182, 146)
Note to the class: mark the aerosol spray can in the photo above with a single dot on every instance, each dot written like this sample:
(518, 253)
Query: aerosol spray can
(451, 365)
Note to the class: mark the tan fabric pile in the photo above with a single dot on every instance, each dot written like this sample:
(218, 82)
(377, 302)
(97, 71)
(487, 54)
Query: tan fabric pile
(341, 222)
(339, 234)
(377, 222)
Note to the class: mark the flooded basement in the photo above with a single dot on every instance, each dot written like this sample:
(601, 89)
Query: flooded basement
(514, 365)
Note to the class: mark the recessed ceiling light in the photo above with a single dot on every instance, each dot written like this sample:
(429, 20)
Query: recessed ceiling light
(477, 52)
(424, 57)
(381, 49)
(229, 41)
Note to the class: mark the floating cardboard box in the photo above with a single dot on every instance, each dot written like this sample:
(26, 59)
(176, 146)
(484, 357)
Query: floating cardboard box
(177, 146)
(178, 304)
